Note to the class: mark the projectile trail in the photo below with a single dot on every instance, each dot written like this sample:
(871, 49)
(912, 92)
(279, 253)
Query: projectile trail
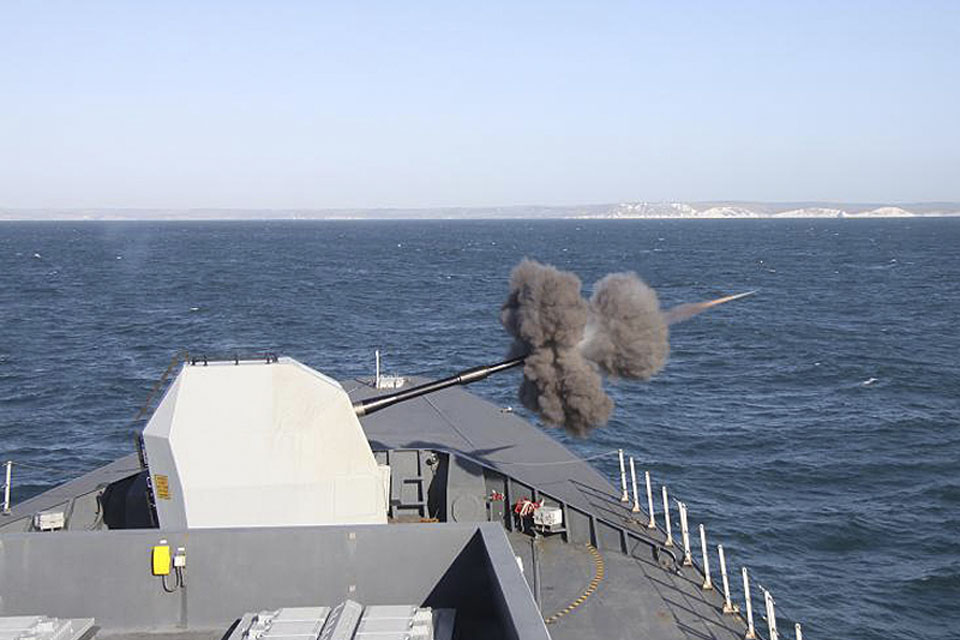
(683, 312)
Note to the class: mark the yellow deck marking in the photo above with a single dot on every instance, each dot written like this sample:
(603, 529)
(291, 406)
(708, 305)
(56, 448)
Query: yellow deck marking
(591, 587)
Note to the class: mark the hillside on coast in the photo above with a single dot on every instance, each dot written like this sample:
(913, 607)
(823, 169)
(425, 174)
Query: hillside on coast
(733, 209)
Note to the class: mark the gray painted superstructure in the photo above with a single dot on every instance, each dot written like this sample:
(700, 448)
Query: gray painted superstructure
(450, 543)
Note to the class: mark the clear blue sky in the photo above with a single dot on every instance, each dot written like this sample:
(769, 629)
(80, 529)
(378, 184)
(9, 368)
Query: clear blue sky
(414, 104)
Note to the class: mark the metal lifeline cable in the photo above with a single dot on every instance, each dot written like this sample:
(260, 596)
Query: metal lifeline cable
(546, 464)
(528, 464)
(446, 419)
(41, 467)
(28, 465)
(180, 356)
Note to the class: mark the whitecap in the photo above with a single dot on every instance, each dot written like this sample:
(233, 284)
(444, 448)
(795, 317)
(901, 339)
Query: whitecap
(868, 382)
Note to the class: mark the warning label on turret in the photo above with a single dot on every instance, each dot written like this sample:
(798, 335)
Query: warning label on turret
(161, 487)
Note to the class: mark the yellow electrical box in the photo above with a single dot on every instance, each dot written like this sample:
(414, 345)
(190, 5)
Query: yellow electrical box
(161, 560)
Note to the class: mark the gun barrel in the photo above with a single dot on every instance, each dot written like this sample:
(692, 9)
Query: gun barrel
(368, 406)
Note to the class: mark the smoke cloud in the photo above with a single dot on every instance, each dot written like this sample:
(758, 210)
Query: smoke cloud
(570, 343)
(547, 316)
(626, 334)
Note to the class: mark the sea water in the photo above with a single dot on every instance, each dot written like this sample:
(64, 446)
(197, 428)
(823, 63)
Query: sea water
(814, 428)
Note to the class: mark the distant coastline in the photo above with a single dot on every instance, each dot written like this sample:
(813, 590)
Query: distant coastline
(622, 211)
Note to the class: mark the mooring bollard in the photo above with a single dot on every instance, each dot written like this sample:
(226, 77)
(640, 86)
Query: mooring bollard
(633, 479)
(797, 631)
(727, 603)
(771, 615)
(653, 522)
(751, 631)
(666, 518)
(685, 534)
(707, 583)
(623, 479)
(6, 486)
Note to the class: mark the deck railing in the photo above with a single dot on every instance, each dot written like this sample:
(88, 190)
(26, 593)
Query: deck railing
(729, 607)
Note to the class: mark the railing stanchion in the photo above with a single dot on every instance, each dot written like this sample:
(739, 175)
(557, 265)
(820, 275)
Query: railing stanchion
(707, 583)
(624, 497)
(771, 615)
(6, 486)
(633, 479)
(666, 518)
(727, 603)
(798, 632)
(685, 534)
(653, 522)
(751, 631)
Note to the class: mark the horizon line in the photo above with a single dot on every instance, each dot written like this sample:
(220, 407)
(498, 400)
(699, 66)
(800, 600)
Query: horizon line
(318, 209)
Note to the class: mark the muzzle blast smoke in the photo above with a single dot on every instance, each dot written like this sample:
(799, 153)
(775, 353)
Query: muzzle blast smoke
(571, 343)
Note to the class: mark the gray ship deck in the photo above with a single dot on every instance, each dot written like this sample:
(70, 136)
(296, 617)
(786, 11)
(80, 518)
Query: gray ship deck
(582, 591)
(636, 598)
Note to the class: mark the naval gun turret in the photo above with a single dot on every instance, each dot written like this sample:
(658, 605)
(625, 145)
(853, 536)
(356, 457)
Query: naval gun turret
(269, 442)
(255, 443)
